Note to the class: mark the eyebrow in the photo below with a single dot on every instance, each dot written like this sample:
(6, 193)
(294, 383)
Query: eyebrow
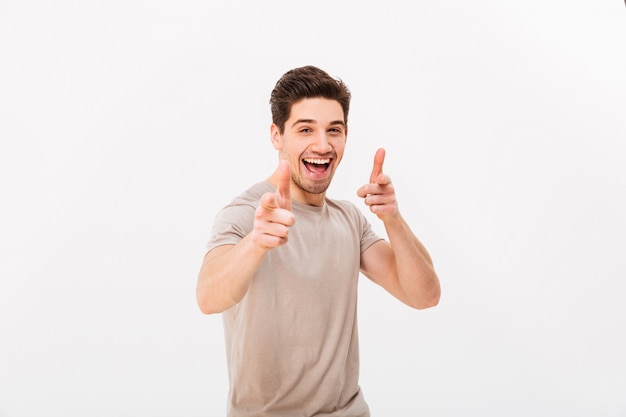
(312, 121)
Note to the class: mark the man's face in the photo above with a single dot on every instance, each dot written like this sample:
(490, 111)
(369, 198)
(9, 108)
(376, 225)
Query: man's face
(313, 142)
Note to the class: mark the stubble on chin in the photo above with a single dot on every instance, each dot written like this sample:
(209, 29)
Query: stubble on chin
(316, 188)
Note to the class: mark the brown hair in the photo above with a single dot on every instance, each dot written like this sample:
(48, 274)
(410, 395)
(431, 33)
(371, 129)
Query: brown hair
(306, 82)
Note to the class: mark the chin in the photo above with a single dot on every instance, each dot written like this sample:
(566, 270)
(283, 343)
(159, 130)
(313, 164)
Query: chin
(315, 188)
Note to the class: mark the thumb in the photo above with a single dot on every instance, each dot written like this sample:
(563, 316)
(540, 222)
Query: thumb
(379, 159)
(283, 186)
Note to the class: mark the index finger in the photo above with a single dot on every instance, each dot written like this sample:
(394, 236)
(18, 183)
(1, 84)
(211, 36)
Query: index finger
(379, 158)
(284, 182)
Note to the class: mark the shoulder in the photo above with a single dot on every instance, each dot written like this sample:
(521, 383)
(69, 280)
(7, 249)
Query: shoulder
(344, 206)
(236, 219)
(251, 196)
(241, 208)
(356, 220)
(348, 211)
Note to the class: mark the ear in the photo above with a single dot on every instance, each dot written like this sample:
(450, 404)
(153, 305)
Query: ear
(277, 138)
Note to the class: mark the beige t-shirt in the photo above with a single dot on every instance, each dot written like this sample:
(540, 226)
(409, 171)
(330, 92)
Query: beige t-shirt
(291, 342)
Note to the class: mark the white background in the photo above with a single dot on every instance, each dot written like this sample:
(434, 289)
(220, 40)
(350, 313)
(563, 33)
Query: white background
(126, 125)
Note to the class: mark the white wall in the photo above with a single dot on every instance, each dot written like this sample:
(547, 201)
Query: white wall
(126, 125)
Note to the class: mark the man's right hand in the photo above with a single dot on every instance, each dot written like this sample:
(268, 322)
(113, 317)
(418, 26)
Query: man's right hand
(273, 216)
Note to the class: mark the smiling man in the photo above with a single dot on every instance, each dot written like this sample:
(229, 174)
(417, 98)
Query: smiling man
(283, 263)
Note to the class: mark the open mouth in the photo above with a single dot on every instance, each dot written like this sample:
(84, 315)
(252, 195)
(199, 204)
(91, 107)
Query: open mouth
(316, 166)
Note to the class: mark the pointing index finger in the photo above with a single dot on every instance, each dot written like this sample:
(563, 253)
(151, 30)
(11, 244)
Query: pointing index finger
(379, 159)
(283, 186)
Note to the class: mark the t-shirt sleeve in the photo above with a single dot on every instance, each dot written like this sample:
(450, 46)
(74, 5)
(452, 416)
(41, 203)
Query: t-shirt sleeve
(231, 224)
(368, 236)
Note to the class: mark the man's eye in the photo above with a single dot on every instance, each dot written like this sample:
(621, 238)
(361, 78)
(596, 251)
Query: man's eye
(305, 130)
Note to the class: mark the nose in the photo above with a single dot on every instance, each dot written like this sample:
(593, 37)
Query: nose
(321, 144)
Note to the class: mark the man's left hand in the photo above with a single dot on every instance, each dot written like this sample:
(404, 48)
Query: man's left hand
(379, 194)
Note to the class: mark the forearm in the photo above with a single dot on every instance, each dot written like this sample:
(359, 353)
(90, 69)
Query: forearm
(414, 267)
(225, 275)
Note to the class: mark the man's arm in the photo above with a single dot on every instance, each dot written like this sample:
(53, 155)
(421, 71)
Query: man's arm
(402, 266)
(227, 270)
(225, 275)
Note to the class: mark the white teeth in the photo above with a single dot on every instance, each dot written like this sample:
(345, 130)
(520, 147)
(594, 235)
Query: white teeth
(317, 161)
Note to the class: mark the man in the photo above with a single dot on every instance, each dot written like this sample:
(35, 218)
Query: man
(283, 262)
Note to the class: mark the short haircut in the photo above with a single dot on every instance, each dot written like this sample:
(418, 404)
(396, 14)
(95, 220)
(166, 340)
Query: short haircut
(306, 82)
